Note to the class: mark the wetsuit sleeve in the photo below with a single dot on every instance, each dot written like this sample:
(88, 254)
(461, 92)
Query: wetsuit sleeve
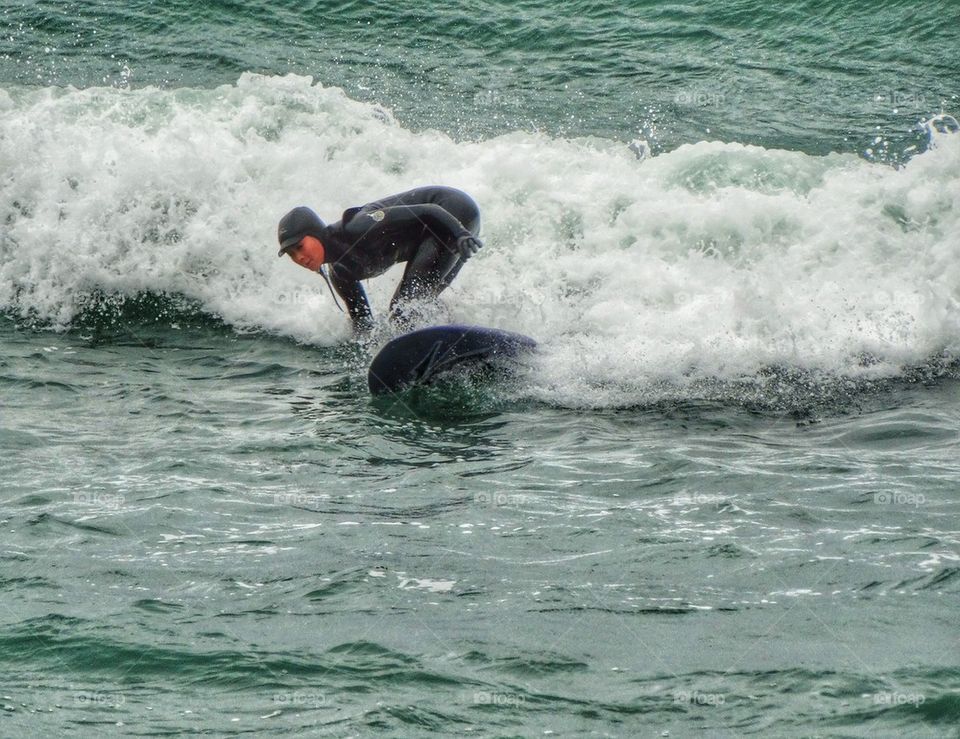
(439, 222)
(355, 297)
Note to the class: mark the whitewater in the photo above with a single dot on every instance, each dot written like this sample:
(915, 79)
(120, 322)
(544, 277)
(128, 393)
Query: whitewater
(714, 260)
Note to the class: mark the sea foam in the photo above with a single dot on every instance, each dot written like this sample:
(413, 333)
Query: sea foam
(715, 260)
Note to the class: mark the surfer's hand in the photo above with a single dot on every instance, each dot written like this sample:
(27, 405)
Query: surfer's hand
(468, 246)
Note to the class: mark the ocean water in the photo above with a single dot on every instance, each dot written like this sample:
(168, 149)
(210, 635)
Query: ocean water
(723, 498)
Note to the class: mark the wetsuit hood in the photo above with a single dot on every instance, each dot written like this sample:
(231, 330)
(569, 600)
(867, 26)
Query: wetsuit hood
(296, 224)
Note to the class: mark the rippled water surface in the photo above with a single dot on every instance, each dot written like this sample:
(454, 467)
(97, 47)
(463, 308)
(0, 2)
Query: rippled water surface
(257, 546)
(721, 499)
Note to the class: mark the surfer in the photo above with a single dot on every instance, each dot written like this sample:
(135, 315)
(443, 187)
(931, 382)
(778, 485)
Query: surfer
(433, 229)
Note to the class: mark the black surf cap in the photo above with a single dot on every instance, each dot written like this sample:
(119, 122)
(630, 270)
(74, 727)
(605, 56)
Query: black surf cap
(296, 224)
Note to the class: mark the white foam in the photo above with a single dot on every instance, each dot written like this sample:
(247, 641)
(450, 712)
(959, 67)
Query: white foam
(713, 260)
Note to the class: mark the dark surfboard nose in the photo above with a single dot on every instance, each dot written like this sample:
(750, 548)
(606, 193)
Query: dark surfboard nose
(419, 357)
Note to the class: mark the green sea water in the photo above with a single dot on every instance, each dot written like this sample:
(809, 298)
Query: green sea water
(721, 500)
(813, 75)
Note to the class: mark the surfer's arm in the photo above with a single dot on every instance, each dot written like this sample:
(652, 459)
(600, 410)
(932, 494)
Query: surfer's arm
(437, 221)
(355, 298)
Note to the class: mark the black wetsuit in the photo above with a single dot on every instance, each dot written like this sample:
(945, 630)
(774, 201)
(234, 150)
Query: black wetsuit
(432, 229)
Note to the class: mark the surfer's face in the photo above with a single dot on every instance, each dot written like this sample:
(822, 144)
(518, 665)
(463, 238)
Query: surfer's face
(309, 253)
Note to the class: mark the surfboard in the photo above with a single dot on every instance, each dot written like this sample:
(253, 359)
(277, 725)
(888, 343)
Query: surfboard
(421, 356)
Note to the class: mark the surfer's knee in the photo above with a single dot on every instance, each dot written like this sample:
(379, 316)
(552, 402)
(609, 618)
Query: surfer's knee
(462, 207)
(471, 216)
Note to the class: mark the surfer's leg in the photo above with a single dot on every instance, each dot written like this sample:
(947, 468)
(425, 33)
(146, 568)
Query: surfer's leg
(435, 264)
(424, 277)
